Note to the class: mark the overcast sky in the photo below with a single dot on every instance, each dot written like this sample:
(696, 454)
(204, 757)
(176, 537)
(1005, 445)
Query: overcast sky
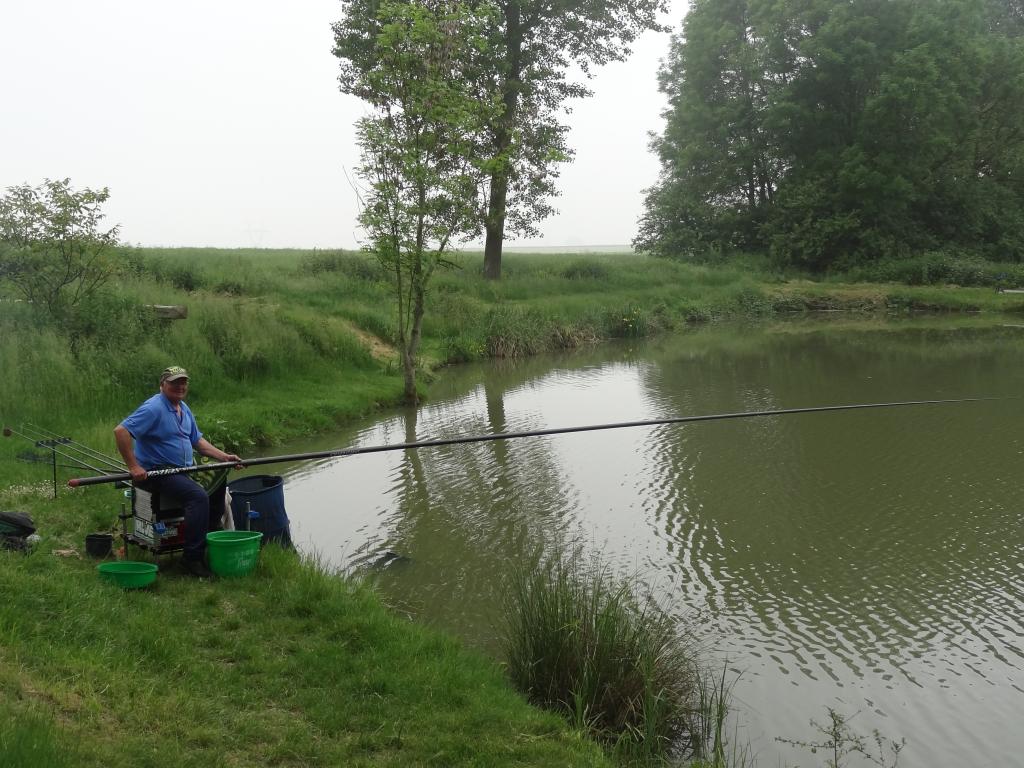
(220, 123)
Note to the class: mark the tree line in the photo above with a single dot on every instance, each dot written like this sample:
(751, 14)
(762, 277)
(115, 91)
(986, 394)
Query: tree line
(836, 134)
(830, 135)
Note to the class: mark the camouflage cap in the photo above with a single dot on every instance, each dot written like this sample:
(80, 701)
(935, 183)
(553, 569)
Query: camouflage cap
(173, 373)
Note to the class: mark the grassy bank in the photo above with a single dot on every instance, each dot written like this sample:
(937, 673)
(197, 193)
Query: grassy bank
(288, 667)
(285, 343)
(294, 666)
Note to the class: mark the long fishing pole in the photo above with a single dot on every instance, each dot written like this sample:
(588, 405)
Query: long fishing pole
(74, 445)
(49, 434)
(82, 481)
(51, 445)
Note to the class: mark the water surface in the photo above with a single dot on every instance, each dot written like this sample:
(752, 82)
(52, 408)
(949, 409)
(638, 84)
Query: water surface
(870, 561)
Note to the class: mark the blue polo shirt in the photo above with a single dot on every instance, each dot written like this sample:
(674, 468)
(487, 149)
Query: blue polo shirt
(161, 435)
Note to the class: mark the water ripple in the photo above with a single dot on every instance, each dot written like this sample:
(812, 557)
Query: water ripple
(872, 561)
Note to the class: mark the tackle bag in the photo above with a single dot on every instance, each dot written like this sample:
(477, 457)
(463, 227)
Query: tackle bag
(16, 524)
(15, 528)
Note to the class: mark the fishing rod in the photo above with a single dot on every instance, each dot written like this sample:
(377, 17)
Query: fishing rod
(82, 481)
(51, 445)
(85, 450)
(49, 434)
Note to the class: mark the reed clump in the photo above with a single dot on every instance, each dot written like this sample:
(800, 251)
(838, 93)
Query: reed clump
(579, 642)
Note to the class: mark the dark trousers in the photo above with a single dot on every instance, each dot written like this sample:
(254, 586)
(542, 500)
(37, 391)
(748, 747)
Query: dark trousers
(202, 512)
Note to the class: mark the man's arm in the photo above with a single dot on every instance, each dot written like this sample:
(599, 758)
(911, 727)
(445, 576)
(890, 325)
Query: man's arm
(125, 446)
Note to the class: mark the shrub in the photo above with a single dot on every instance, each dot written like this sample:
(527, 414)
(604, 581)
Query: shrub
(948, 266)
(581, 644)
(54, 252)
(515, 332)
(585, 270)
(109, 321)
(355, 266)
(185, 277)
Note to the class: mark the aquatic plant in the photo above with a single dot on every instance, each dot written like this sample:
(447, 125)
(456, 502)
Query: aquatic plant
(581, 642)
(840, 741)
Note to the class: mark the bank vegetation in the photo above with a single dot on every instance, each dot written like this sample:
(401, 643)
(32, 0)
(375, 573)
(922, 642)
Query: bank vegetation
(296, 666)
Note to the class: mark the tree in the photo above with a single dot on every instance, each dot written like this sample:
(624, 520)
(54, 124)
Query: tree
(418, 148)
(531, 46)
(906, 137)
(721, 163)
(837, 134)
(54, 252)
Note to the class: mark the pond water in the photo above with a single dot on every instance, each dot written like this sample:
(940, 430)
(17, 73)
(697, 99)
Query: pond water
(870, 561)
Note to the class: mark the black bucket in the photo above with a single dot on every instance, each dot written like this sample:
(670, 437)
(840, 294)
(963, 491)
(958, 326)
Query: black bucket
(99, 544)
(264, 495)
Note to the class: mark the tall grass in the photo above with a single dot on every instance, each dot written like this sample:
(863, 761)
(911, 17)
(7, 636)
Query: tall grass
(296, 323)
(615, 665)
(107, 359)
(708, 742)
(29, 740)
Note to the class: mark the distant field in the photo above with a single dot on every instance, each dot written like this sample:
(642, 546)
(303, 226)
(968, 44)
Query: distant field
(556, 249)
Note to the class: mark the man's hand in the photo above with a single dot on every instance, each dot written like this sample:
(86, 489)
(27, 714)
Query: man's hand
(206, 448)
(236, 459)
(138, 473)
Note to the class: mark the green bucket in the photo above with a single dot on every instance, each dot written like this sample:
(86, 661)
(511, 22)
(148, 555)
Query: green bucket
(233, 553)
(128, 574)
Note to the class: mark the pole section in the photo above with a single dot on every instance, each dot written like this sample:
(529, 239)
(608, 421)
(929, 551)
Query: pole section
(125, 477)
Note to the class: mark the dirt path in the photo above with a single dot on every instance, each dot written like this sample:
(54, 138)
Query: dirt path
(381, 351)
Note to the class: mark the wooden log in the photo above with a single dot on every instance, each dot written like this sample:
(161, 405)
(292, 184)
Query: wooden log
(169, 311)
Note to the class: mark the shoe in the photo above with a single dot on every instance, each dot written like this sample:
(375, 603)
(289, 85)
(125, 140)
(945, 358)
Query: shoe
(196, 568)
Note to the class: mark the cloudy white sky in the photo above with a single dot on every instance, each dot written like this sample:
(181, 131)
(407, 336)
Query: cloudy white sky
(220, 123)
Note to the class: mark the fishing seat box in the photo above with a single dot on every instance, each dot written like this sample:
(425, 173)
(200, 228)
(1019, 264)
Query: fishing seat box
(158, 520)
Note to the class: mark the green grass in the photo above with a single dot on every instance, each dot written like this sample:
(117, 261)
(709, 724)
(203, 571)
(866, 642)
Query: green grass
(296, 666)
(261, 319)
(291, 666)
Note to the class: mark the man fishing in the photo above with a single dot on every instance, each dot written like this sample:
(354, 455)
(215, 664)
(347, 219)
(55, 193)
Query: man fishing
(164, 433)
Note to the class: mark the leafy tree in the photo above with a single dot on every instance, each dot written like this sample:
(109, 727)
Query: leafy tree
(54, 251)
(721, 165)
(835, 134)
(926, 144)
(532, 43)
(424, 177)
